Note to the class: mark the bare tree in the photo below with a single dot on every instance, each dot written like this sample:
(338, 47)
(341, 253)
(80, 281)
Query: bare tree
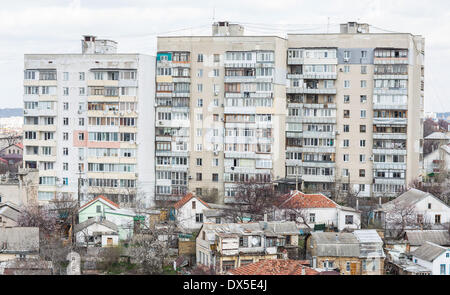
(252, 199)
(400, 217)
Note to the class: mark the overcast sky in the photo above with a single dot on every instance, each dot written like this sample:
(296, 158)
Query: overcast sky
(56, 26)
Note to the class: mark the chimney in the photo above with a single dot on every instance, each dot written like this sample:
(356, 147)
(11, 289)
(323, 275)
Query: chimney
(265, 217)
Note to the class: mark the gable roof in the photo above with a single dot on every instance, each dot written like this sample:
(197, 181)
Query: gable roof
(297, 199)
(10, 211)
(437, 136)
(274, 267)
(428, 251)
(91, 221)
(409, 198)
(186, 199)
(101, 198)
(419, 237)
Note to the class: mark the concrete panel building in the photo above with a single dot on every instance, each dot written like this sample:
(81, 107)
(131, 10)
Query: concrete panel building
(89, 122)
(340, 111)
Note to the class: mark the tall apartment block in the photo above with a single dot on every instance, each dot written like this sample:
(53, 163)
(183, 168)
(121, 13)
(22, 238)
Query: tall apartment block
(338, 111)
(89, 123)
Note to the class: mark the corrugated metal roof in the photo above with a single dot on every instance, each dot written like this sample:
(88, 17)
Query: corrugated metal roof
(336, 244)
(91, 221)
(408, 198)
(367, 236)
(428, 251)
(419, 237)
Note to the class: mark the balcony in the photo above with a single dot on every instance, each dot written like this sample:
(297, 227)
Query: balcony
(390, 136)
(390, 76)
(385, 180)
(304, 90)
(316, 178)
(247, 155)
(390, 121)
(379, 106)
(311, 120)
(239, 79)
(318, 164)
(390, 60)
(329, 76)
(391, 91)
(392, 151)
(317, 149)
(239, 110)
(239, 64)
(389, 166)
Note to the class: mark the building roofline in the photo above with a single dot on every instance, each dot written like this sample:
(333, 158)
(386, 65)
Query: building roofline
(208, 36)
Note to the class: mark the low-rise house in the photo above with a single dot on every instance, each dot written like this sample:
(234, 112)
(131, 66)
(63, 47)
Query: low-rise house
(308, 210)
(274, 267)
(20, 188)
(417, 238)
(97, 232)
(414, 209)
(191, 212)
(13, 155)
(433, 257)
(356, 253)
(19, 243)
(26, 266)
(231, 245)
(9, 214)
(102, 207)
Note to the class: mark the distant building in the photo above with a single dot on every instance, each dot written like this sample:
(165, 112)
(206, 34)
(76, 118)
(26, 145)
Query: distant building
(357, 253)
(308, 210)
(97, 232)
(232, 245)
(9, 214)
(19, 242)
(20, 188)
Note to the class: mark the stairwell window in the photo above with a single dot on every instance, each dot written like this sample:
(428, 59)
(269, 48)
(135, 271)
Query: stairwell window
(346, 83)
(200, 57)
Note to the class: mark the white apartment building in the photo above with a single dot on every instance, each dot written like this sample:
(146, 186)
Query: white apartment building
(340, 111)
(89, 123)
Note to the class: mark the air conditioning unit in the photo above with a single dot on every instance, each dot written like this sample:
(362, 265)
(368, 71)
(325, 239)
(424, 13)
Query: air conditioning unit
(81, 158)
(337, 132)
(129, 111)
(25, 111)
(371, 158)
(190, 177)
(346, 59)
(80, 111)
(341, 70)
(216, 153)
(122, 113)
(160, 122)
(216, 93)
(131, 141)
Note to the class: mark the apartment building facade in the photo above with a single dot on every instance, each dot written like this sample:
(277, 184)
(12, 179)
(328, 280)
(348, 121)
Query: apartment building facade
(216, 122)
(89, 123)
(339, 111)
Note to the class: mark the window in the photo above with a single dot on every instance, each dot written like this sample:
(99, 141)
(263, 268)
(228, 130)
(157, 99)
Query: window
(81, 136)
(346, 128)
(364, 265)
(346, 84)
(243, 242)
(199, 161)
(65, 106)
(362, 187)
(198, 191)
(363, 53)
(346, 54)
(193, 204)
(346, 98)
(81, 91)
(216, 57)
(199, 87)
(345, 172)
(312, 217)
(65, 90)
(199, 217)
(99, 208)
(215, 162)
(81, 121)
(200, 57)
(65, 151)
(363, 83)
(346, 113)
(66, 121)
(65, 76)
(346, 157)
(362, 172)
(81, 76)
(346, 69)
(215, 177)
(200, 102)
(65, 181)
(199, 177)
(347, 266)
(218, 220)
(348, 220)
(437, 219)
(346, 142)
(363, 114)
(363, 98)
(65, 136)
(362, 158)
(363, 69)
(429, 205)
(442, 269)
(200, 73)
(216, 72)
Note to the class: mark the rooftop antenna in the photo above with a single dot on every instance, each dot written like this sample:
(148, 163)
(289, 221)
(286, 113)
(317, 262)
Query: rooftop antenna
(214, 14)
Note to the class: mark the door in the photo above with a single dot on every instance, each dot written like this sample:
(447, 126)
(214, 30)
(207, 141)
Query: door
(353, 268)
(109, 242)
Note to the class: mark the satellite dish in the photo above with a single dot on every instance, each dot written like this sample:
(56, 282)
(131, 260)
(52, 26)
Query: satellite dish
(254, 241)
(359, 29)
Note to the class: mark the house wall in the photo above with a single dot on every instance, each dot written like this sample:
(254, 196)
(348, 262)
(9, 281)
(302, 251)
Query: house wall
(125, 223)
(115, 239)
(83, 235)
(437, 207)
(341, 220)
(435, 266)
(7, 222)
(186, 215)
(341, 263)
(322, 215)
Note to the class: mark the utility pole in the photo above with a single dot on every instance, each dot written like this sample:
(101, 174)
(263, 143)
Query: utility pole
(296, 177)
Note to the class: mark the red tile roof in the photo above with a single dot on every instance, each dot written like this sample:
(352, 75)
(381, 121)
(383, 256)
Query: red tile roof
(103, 198)
(298, 199)
(20, 145)
(274, 267)
(186, 199)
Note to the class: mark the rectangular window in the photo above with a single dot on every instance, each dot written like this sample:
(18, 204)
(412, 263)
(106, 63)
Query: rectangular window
(437, 219)
(193, 204)
(346, 98)
(363, 98)
(363, 114)
(442, 269)
(348, 219)
(199, 217)
(200, 57)
(362, 172)
(363, 69)
(312, 217)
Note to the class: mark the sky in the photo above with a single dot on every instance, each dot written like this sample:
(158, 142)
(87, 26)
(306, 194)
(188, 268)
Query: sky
(56, 26)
